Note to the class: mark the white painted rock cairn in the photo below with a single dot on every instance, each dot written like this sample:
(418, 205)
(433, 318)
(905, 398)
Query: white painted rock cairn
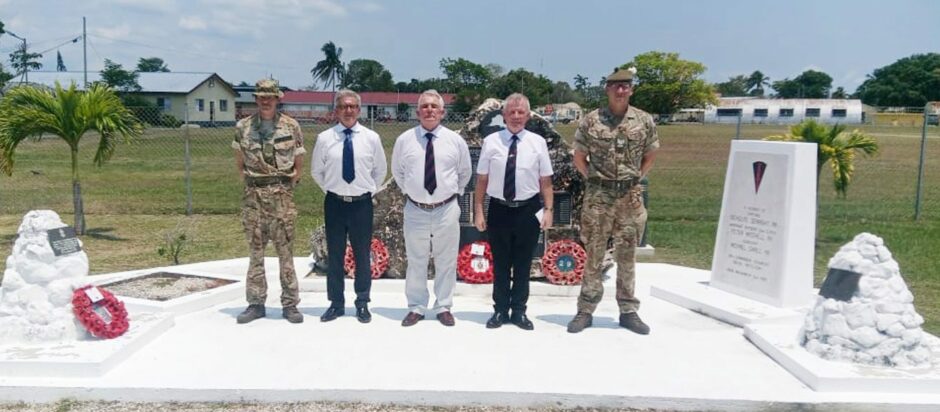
(36, 293)
(874, 323)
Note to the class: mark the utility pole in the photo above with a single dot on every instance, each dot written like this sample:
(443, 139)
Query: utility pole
(25, 67)
(85, 51)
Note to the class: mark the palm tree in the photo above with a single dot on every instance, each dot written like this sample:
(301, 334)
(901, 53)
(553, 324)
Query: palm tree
(834, 145)
(756, 82)
(331, 67)
(68, 113)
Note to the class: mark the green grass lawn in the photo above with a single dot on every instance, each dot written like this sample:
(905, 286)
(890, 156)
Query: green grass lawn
(140, 195)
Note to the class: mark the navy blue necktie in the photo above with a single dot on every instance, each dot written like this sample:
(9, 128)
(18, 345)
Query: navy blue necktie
(509, 181)
(430, 179)
(349, 168)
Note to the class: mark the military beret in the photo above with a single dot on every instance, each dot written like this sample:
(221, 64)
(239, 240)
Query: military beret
(622, 75)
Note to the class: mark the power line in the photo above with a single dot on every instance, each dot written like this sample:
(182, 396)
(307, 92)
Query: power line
(74, 40)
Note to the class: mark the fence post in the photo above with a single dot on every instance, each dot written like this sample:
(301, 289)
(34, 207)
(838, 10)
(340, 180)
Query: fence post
(188, 162)
(737, 133)
(920, 168)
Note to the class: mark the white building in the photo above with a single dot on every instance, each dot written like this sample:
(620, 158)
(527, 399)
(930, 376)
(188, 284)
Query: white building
(785, 111)
(201, 98)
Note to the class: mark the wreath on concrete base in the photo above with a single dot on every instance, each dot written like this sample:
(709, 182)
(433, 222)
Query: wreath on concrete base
(85, 310)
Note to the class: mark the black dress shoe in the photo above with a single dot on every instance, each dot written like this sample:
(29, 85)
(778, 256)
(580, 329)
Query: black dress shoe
(497, 320)
(522, 321)
(331, 314)
(362, 313)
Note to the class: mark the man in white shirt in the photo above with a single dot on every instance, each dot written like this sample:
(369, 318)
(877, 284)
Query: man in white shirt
(514, 168)
(431, 165)
(348, 164)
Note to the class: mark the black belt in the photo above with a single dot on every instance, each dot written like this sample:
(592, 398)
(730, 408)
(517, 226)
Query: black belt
(432, 206)
(266, 181)
(621, 184)
(350, 199)
(514, 204)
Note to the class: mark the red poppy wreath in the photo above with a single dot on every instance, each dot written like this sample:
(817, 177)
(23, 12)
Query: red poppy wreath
(87, 299)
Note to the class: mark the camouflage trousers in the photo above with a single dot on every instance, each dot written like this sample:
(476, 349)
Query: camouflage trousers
(607, 214)
(268, 214)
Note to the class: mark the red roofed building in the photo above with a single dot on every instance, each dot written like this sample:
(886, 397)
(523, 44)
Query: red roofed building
(315, 105)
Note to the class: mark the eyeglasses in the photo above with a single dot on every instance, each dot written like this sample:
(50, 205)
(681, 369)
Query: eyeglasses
(348, 107)
(620, 85)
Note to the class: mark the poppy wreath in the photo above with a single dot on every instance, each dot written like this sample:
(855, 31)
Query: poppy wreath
(378, 259)
(563, 262)
(84, 310)
(471, 273)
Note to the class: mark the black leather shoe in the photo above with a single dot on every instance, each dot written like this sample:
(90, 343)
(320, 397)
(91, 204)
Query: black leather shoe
(633, 322)
(362, 313)
(522, 321)
(497, 320)
(331, 314)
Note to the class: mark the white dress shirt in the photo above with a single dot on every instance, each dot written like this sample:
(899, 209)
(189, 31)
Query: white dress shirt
(532, 162)
(326, 166)
(451, 164)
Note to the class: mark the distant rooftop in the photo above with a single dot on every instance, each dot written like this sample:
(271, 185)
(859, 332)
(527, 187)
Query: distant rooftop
(156, 82)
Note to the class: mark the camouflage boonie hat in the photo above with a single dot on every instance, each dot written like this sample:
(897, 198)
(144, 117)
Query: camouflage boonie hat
(268, 87)
(622, 75)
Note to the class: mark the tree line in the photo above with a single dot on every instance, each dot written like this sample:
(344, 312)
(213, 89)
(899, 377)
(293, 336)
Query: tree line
(666, 82)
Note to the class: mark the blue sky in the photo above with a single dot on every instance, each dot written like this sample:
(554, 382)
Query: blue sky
(249, 39)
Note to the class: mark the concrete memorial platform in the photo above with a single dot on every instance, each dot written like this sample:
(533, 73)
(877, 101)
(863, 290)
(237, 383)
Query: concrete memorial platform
(688, 362)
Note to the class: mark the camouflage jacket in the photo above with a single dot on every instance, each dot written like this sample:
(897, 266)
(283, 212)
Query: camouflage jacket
(616, 146)
(271, 155)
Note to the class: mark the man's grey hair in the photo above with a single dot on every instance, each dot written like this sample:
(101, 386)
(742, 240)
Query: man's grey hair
(432, 93)
(346, 93)
(517, 97)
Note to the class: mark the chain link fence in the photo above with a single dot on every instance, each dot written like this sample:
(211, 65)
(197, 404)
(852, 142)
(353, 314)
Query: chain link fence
(190, 169)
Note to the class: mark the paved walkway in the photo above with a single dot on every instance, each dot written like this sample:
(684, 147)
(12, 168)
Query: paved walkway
(688, 361)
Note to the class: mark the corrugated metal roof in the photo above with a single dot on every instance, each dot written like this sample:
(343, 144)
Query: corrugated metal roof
(323, 97)
(159, 82)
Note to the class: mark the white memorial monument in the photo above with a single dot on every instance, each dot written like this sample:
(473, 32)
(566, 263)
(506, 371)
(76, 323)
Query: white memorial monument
(766, 234)
(45, 266)
(865, 313)
(763, 262)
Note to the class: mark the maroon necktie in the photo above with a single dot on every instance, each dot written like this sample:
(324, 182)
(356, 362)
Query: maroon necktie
(509, 182)
(430, 180)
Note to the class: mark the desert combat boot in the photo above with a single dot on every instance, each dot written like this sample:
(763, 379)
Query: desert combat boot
(292, 314)
(581, 320)
(633, 322)
(251, 313)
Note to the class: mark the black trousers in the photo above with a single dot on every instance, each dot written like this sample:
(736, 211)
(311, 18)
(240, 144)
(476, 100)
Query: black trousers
(352, 219)
(513, 235)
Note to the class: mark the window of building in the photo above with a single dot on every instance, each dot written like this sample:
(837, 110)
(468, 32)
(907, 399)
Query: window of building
(786, 112)
(200, 105)
(839, 113)
(812, 112)
(760, 112)
(223, 105)
(729, 112)
(164, 103)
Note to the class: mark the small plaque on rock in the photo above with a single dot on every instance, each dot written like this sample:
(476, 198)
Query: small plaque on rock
(64, 241)
(840, 284)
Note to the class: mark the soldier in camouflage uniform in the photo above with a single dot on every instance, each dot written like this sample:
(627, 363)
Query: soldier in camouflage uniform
(269, 149)
(614, 149)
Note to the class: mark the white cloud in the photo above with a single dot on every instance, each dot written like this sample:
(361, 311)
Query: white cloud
(112, 33)
(192, 23)
(162, 6)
